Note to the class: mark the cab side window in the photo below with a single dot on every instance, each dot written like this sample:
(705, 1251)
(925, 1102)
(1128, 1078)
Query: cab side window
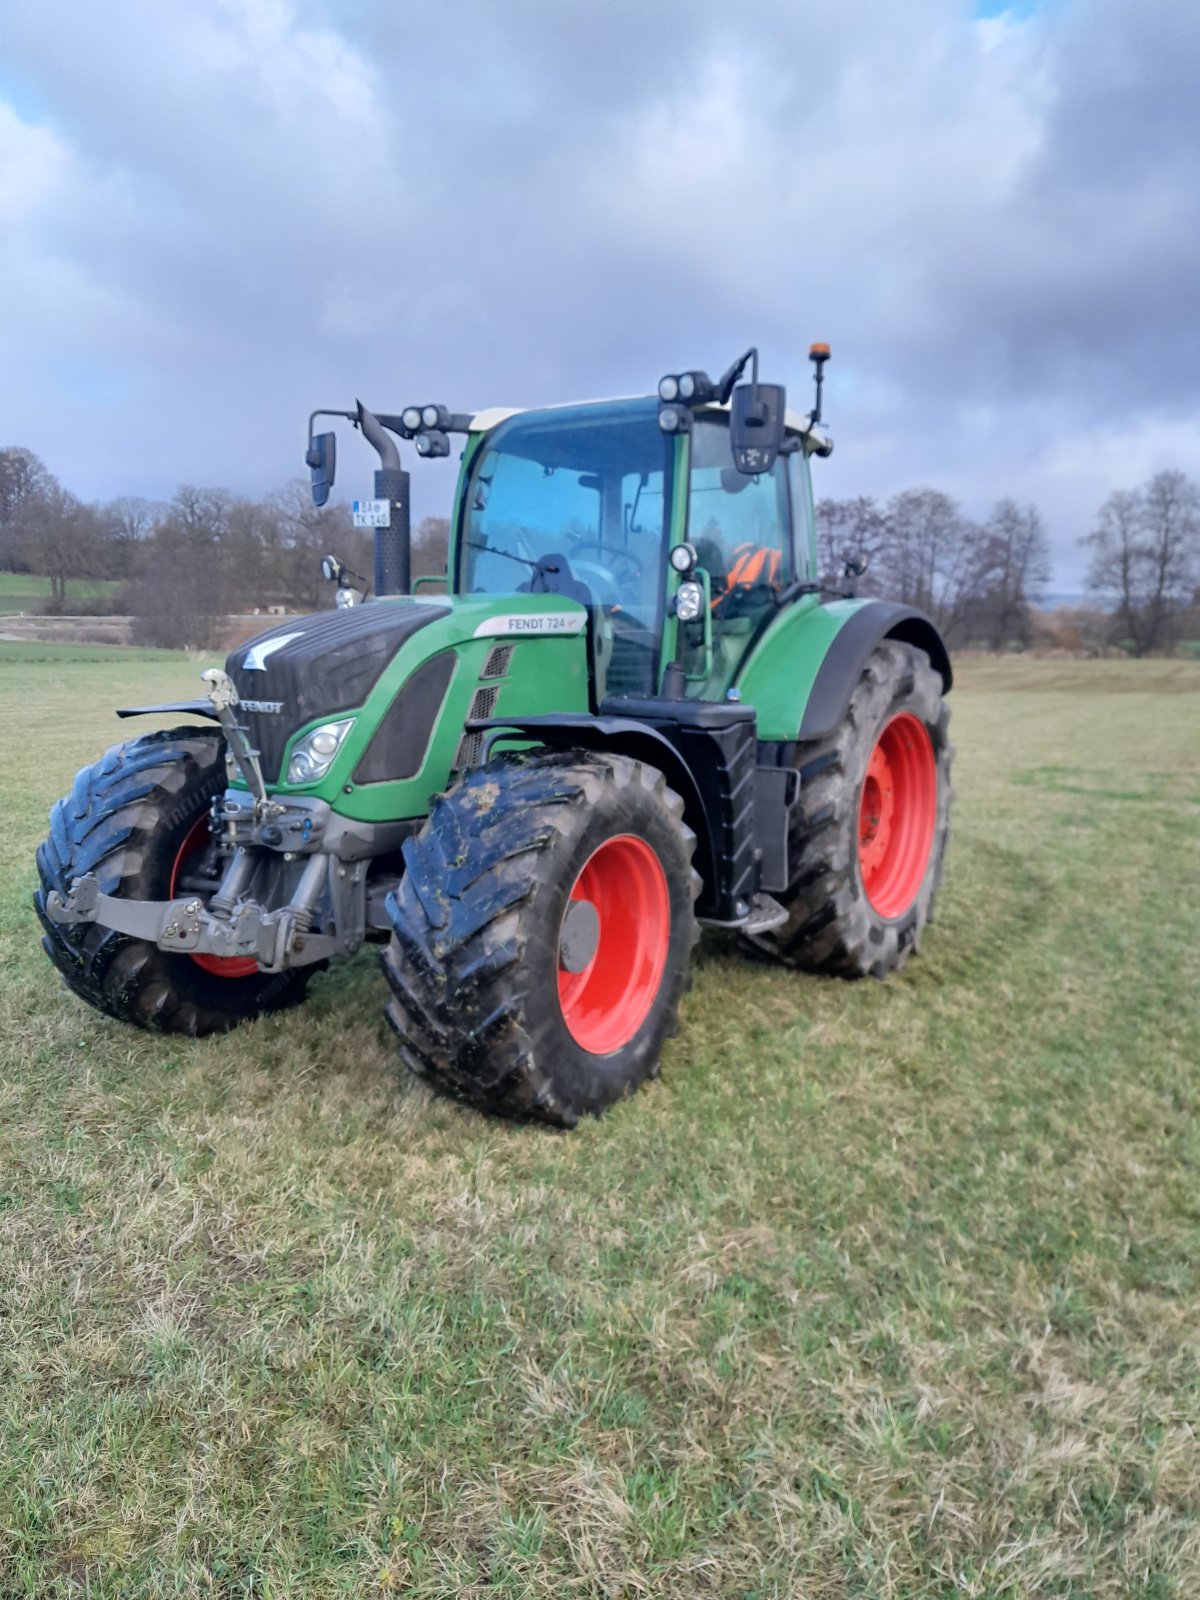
(739, 526)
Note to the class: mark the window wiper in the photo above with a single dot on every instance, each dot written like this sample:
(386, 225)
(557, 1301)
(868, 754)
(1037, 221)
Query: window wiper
(494, 550)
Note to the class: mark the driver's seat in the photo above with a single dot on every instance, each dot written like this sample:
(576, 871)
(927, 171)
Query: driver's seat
(750, 566)
(553, 575)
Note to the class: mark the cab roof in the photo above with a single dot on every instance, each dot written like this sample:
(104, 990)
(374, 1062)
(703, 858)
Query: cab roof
(484, 421)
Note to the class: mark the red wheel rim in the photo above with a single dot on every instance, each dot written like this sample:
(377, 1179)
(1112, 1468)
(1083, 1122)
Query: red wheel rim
(606, 1003)
(220, 966)
(897, 815)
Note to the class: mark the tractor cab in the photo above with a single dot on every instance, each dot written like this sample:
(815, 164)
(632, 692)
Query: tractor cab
(682, 521)
(678, 554)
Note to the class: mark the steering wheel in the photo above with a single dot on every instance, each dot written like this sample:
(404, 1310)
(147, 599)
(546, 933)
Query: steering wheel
(613, 555)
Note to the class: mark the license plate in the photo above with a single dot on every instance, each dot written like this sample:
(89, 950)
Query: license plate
(372, 513)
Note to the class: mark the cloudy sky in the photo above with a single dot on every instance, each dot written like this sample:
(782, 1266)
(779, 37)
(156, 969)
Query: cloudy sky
(217, 215)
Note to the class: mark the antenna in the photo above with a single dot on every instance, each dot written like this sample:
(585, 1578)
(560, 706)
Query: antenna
(818, 354)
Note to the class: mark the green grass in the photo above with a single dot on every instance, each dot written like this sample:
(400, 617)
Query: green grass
(885, 1290)
(28, 591)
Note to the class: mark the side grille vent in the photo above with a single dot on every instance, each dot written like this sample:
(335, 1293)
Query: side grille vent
(470, 748)
(483, 704)
(496, 664)
(469, 752)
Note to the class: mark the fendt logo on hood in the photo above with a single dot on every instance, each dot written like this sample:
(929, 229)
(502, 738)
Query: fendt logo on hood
(271, 708)
(256, 656)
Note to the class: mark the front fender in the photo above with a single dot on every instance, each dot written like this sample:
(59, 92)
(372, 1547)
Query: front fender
(191, 708)
(801, 674)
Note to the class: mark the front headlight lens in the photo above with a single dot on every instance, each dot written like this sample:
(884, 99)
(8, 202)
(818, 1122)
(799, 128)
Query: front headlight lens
(313, 756)
(689, 601)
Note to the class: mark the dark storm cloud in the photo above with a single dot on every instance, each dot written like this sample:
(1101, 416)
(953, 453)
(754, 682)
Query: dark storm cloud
(215, 216)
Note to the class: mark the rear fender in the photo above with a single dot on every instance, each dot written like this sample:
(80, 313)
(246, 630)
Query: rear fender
(801, 674)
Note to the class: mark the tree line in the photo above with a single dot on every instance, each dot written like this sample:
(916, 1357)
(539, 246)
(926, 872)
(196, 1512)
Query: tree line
(982, 582)
(186, 564)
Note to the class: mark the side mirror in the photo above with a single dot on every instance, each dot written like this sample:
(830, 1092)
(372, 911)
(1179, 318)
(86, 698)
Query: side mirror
(756, 425)
(331, 569)
(321, 458)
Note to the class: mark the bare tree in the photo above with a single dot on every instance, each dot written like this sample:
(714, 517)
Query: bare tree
(22, 476)
(1171, 545)
(1012, 572)
(61, 538)
(128, 520)
(174, 604)
(847, 529)
(311, 532)
(932, 558)
(1146, 559)
(430, 547)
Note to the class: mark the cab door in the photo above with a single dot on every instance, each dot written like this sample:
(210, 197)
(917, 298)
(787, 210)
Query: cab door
(742, 530)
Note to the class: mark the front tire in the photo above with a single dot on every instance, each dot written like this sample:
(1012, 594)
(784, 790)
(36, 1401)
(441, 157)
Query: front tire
(870, 829)
(136, 819)
(542, 934)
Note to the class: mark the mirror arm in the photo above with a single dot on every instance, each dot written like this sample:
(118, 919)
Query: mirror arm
(733, 373)
(351, 416)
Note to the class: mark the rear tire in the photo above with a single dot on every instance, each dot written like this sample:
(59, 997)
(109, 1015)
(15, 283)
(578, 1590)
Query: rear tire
(870, 829)
(484, 1007)
(131, 819)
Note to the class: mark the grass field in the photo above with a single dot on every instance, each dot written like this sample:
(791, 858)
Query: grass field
(886, 1290)
(26, 591)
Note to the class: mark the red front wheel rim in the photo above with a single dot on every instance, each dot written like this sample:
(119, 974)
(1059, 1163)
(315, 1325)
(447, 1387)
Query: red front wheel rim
(897, 815)
(197, 839)
(606, 1003)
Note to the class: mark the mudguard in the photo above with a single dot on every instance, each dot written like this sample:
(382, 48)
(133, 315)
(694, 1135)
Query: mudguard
(800, 675)
(191, 708)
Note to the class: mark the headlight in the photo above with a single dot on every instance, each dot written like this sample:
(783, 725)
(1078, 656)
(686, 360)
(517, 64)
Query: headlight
(313, 756)
(431, 416)
(411, 418)
(689, 601)
(687, 386)
(668, 389)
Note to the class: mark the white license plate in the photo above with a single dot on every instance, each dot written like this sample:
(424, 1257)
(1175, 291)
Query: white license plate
(372, 513)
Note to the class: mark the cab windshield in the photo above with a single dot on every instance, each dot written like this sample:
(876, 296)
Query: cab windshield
(572, 502)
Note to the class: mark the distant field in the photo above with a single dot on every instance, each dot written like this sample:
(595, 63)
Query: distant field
(883, 1291)
(25, 591)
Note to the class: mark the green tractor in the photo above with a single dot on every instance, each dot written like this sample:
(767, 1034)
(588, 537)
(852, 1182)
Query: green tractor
(633, 711)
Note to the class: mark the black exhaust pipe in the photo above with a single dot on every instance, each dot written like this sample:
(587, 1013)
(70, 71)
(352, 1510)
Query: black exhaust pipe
(393, 544)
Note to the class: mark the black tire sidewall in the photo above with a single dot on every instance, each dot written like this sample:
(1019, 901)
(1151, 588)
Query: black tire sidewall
(236, 999)
(129, 978)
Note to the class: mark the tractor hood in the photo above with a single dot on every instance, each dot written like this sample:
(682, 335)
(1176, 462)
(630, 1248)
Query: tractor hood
(317, 666)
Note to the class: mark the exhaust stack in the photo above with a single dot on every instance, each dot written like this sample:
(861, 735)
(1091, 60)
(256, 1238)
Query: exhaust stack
(393, 544)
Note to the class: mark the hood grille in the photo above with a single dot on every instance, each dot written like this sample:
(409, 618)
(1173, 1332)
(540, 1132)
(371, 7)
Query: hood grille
(325, 664)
